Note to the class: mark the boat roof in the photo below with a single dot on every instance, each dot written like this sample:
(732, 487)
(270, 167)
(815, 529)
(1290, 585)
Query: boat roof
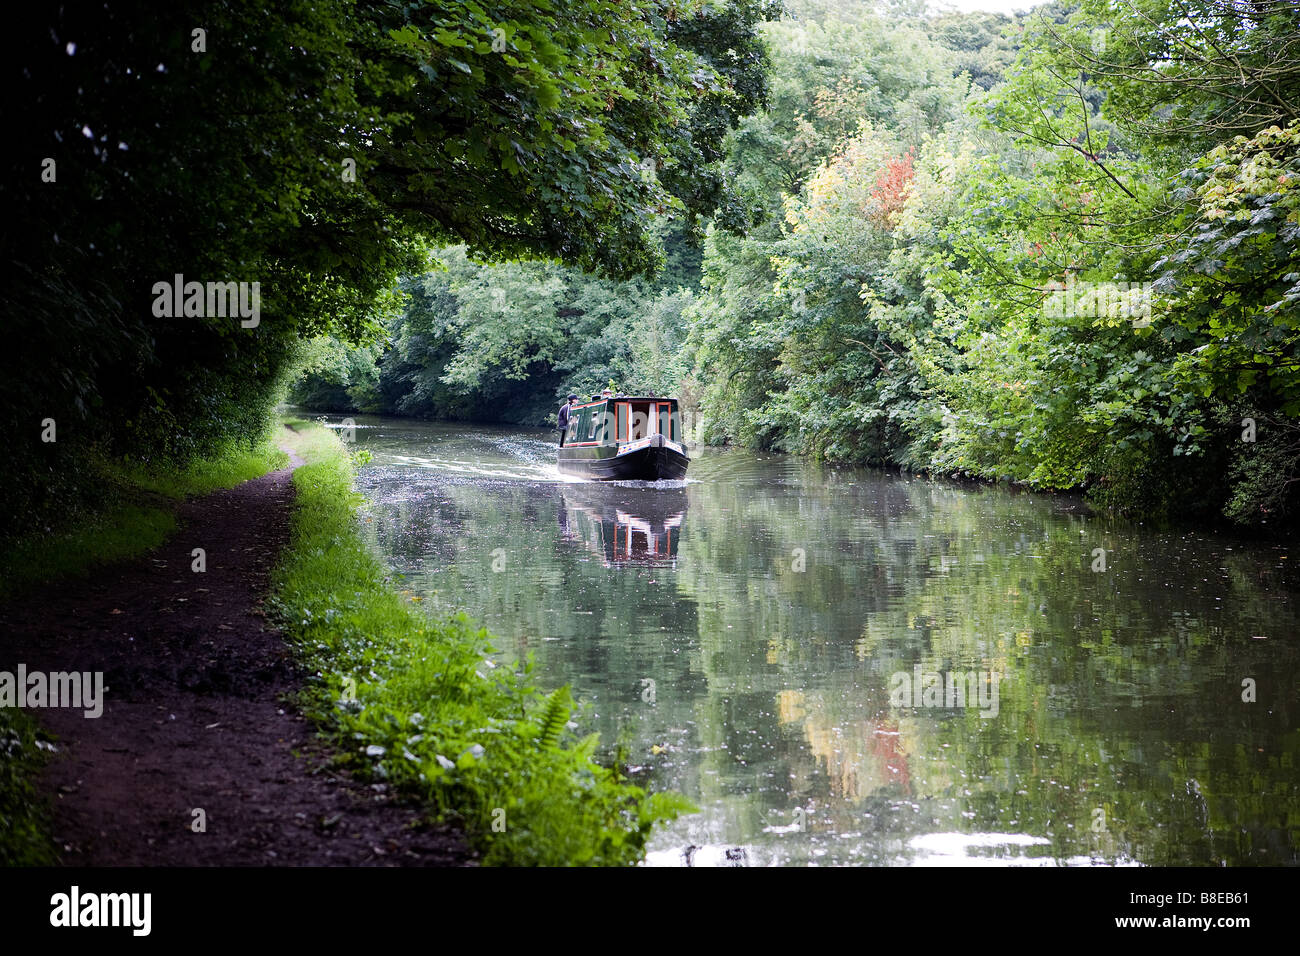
(626, 398)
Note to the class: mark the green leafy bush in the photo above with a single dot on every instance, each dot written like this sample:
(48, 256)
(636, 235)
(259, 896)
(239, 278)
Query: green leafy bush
(24, 816)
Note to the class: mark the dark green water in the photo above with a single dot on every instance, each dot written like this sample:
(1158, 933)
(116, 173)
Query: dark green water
(775, 605)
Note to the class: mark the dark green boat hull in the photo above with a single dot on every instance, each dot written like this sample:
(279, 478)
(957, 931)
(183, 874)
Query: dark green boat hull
(603, 463)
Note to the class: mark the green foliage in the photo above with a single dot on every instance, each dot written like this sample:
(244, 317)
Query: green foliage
(230, 464)
(973, 321)
(435, 716)
(785, 355)
(125, 532)
(1234, 272)
(1265, 474)
(507, 342)
(24, 817)
(318, 150)
(558, 707)
(921, 191)
(586, 120)
(836, 69)
(1189, 73)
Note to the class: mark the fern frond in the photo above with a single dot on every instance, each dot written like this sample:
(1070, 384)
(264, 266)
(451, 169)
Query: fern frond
(558, 707)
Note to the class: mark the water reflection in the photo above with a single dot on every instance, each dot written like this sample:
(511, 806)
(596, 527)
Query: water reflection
(773, 604)
(624, 523)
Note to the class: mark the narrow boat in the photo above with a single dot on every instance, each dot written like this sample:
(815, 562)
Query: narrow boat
(624, 438)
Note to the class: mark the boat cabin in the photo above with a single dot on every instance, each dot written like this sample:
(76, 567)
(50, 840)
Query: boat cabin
(623, 418)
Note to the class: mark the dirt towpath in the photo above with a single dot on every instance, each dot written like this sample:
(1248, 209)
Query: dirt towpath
(194, 715)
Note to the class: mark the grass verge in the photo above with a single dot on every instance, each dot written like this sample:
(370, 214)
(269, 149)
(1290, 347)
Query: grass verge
(135, 514)
(419, 704)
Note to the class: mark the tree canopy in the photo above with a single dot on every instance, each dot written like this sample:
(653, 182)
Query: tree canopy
(1058, 248)
(319, 150)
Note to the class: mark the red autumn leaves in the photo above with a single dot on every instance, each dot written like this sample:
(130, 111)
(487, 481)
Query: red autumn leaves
(890, 192)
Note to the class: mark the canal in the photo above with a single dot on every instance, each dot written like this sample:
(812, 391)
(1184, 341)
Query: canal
(855, 667)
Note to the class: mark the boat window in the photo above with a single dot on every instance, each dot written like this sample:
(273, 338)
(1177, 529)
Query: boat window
(665, 412)
(641, 422)
(675, 422)
(578, 425)
(593, 422)
(622, 410)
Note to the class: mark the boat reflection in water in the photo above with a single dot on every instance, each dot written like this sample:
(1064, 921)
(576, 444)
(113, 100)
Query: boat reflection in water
(625, 524)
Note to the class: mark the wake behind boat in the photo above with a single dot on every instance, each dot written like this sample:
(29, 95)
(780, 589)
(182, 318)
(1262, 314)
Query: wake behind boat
(624, 438)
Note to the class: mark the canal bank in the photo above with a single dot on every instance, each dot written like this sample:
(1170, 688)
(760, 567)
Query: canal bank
(197, 756)
(260, 622)
(417, 701)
